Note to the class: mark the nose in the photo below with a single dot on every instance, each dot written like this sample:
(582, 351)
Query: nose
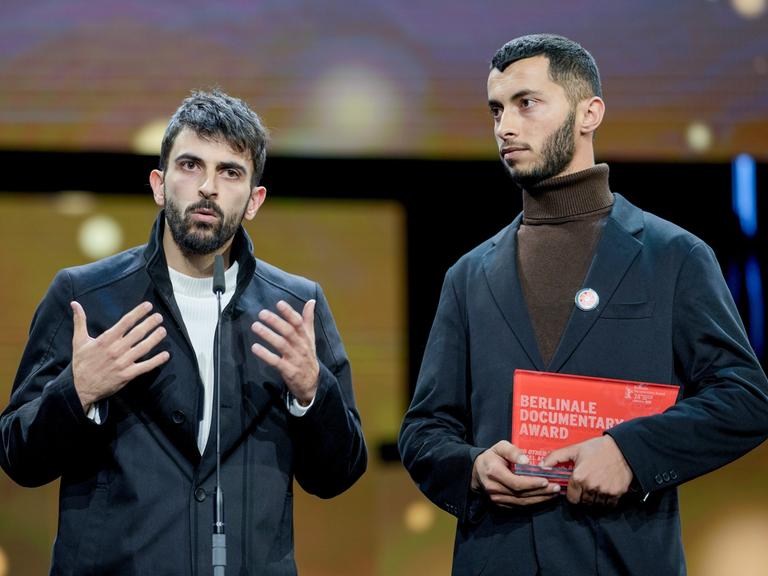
(508, 125)
(208, 188)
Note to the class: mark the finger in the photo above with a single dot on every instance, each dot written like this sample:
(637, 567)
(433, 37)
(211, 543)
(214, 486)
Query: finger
(612, 501)
(145, 346)
(588, 497)
(277, 323)
(601, 499)
(308, 315)
(497, 489)
(287, 311)
(80, 328)
(128, 321)
(275, 340)
(509, 452)
(516, 501)
(569, 453)
(138, 332)
(262, 353)
(522, 484)
(574, 492)
(514, 482)
(140, 368)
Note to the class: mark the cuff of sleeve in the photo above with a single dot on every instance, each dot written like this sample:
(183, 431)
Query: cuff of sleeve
(294, 407)
(64, 388)
(622, 435)
(477, 502)
(97, 413)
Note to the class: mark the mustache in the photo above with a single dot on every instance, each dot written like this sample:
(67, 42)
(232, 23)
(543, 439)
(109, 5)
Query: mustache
(205, 204)
(507, 146)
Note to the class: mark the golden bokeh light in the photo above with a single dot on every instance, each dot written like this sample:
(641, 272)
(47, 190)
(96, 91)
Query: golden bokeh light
(419, 516)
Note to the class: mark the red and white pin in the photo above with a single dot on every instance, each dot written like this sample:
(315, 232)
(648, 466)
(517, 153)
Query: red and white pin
(587, 299)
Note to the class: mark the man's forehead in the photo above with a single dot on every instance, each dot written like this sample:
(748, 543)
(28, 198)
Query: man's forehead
(190, 142)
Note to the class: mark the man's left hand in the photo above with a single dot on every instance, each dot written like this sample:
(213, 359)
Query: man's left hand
(292, 336)
(601, 474)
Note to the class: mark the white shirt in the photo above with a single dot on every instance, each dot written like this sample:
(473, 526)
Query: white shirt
(199, 311)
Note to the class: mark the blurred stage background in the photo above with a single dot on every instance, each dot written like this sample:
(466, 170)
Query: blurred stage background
(382, 172)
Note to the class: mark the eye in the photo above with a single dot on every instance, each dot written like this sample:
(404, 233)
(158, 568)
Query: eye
(527, 103)
(495, 112)
(188, 164)
(232, 174)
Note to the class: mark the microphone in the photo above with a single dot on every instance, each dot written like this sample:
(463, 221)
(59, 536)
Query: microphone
(219, 550)
(219, 284)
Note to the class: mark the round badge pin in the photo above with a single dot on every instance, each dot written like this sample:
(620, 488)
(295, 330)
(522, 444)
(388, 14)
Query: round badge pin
(587, 299)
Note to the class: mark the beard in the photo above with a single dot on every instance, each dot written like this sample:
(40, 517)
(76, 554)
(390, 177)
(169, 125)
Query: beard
(200, 238)
(557, 152)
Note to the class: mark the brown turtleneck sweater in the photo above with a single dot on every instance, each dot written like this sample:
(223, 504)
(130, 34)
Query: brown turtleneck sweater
(562, 221)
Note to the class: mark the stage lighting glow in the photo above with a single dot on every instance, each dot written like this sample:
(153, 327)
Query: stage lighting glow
(749, 8)
(74, 202)
(3, 563)
(148, 138)
(699, 137)
(736, 545)
(419, 516)
(744, 194)
(100, 236)
(351, 109)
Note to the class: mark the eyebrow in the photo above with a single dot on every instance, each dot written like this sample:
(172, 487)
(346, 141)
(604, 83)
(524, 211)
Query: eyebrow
(221, 165)
(232, 166)
(187, 156)
(516, 96)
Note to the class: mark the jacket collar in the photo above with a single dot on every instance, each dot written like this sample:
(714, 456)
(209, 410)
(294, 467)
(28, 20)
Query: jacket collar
(157, 265)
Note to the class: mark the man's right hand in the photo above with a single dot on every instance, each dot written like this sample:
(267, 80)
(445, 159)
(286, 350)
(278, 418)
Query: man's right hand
(102, 366)
(491, 473)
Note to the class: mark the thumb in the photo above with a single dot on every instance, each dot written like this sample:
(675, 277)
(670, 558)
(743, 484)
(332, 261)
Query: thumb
(510, 452)
(561, 456)
(80, 331)
(308, 315)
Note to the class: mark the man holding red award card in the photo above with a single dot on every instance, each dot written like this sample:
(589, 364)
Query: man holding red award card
(582, 289)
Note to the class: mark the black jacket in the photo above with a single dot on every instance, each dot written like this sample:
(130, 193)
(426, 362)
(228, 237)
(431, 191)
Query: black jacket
(135, 492)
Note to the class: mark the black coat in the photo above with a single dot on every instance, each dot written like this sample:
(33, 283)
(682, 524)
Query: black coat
(135, 491)
(665, 315)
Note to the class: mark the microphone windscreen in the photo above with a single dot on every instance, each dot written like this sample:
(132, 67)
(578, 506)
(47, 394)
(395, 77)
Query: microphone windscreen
(219, 284)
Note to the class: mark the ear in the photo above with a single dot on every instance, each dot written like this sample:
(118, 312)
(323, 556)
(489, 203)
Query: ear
(258, 195)
(156, 180)
(592, 115)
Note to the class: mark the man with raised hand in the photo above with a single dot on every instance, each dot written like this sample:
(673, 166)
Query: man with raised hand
(115, 391)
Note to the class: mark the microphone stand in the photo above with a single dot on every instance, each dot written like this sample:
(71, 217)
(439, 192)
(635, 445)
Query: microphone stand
(219, 550)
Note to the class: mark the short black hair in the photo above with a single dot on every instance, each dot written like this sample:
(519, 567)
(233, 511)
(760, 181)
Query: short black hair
(570, 65)
(215, 115)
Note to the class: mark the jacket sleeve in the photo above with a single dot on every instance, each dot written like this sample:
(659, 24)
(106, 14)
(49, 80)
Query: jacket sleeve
(435, 435)
(44, 427)
(724, 409)
(330, 448)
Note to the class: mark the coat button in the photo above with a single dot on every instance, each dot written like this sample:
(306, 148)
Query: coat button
(673, 474)
(178, 417)
(658, 479)
(200, 494)
(665, 475)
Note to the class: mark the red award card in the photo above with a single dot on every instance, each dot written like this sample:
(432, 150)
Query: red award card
(550, 411)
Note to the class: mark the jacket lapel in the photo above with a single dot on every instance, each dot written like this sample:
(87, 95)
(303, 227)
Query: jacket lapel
(500, 267)
(249, 388)
(616, 250)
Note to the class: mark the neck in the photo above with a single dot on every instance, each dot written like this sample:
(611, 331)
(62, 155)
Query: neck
(195, 265)
(568, 196)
